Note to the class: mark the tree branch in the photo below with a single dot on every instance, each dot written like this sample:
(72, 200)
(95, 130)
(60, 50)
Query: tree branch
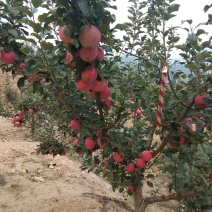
(173, 91)
(163, 198)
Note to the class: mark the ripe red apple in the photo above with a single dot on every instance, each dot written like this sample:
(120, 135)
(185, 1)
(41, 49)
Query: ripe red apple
(188, 119)
(20, 112)
(65, 34)
(76, 141)
(99, 131)
(74, 124)
(78, 135)
(187, 128)
(92, 94)
(140, 163)
(17, 118)
(69, 57)
(100, 86)
(199, 103)
(117, 158)
(106, 141)
(90, 143)
(73, 64)
(100, 54)
(210, 175)
(108, 103)
(88, 54)
(133, 114)
(171, 146)
(83, 86)
(138, 112)
(106, 163)
(105, 94)
(64, 153)
(89, 36)
(130, 187)
(182, 140)
(89, 74)
(33, 111)
(146, 155)
(18, 124)
(8, 57)
(19, 68)
(130, 167)
(71, 140)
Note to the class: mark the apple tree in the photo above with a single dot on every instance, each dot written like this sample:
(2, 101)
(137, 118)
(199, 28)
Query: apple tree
(103, 91)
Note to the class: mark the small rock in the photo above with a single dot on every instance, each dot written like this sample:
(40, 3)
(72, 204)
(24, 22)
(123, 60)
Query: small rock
(40, 179)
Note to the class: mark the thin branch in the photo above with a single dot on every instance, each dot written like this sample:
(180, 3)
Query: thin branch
(163, 198)
(173, 91)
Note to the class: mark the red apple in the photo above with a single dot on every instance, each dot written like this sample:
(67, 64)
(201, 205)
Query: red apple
(32, 77)
(140, 163)
(106, 141)
(108, 103)
(17, 118)
(73, 64)
(138, 112)
(65, 34)
(71, 140)
(146, 155)
(20, 112)
(74, 124)
(89, 74)
(117, 158)
(105, 94)
(130, 167)
(19, 68)
(106, 163)
(64, 153)
(83, 86)
(199, 103)
(100, 54)
(31, 110)
(130, 187)
(89, 36)
(8, 57)
(100, 86)
(99, 131)
(88, 54)
(90, 143)
(76, 141)
(18, 124)
(182, 140)
(188, 127)
(69, 57)
(13, 120)
(92, 94)
(210, 175)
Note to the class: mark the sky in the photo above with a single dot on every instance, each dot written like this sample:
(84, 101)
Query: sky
(189, 9)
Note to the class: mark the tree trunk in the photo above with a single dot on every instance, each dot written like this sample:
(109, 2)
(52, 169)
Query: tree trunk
(139, 203)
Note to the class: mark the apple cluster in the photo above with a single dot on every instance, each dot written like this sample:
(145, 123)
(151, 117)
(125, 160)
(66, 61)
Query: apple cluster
(89, 38)
(17, 119)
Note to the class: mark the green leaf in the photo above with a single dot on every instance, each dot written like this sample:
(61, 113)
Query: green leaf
(24, 9)
(173, 8)
(150, 184)
(207, 7)
(84, 6)
(26, 39)
(36, 3)
(121, 26)
(188, 21)
(20, 82)
(13, 32)
(200, 31)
